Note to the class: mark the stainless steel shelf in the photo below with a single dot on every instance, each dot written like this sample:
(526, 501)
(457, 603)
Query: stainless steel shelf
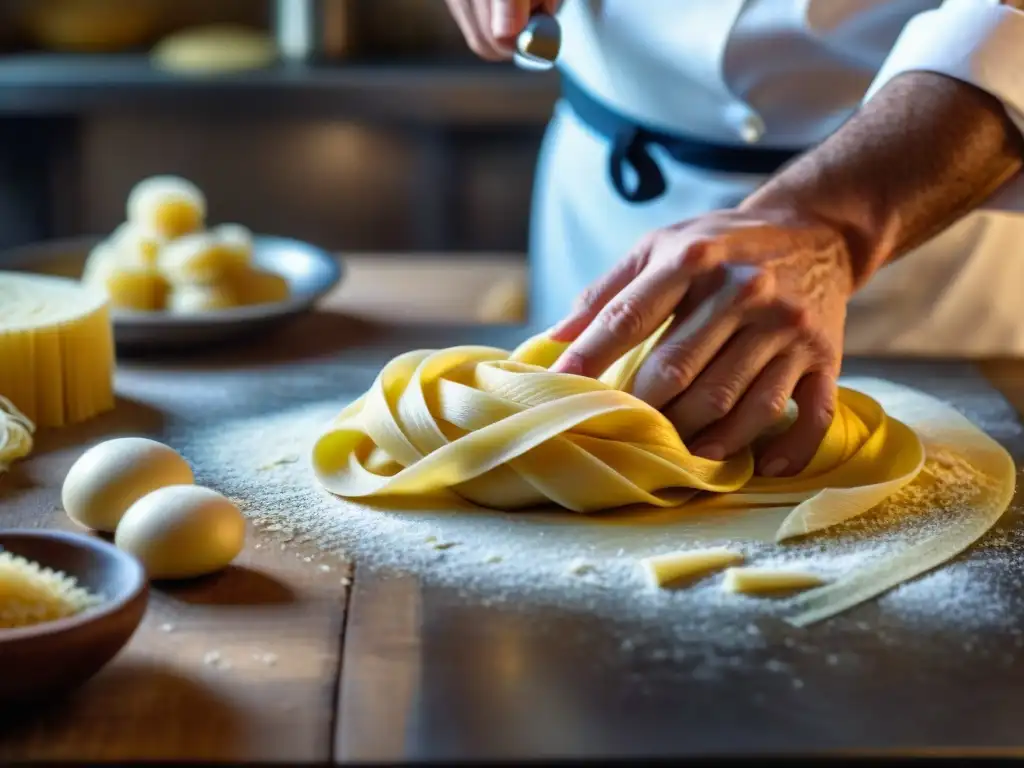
(467, 94)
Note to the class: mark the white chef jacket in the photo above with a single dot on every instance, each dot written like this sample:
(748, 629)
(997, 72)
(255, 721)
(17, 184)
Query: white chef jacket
(780, 74)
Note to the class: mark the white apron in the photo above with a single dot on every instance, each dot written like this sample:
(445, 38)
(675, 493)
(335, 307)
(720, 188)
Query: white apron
(780, 74)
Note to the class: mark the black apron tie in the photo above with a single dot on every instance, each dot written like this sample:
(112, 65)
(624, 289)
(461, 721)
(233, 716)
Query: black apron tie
(631, 142)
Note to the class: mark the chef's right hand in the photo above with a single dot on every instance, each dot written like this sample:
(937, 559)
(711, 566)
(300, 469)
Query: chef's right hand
(491, 26)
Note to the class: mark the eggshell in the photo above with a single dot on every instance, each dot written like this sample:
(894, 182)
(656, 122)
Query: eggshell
(110, 477)
(182, 531)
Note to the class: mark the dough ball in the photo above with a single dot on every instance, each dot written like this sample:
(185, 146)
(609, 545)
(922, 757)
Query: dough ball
(215, 48)
(136, 247)
(191, 299)
(167, 206)
(236, 237)
(111, 476)
(202, 258)
(260, 286)
(505, 302)
(182, 531)
(136, 289)
(131, 287)
(99, 264)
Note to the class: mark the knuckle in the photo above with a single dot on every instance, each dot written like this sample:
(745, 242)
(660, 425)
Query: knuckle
(758, 287)
(697, 257)
(623, 319)
(773, 403)
(587, 299)
(673, 368)
(799, 319)
(718, 399)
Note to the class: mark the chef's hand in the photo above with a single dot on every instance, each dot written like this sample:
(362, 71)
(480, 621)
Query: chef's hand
(491, 26)
(776, 333)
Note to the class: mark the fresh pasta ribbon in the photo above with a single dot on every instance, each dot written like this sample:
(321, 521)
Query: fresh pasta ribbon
(16, 431)
(502, 431)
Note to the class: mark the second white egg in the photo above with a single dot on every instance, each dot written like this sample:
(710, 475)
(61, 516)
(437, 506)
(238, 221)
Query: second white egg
(182, 531)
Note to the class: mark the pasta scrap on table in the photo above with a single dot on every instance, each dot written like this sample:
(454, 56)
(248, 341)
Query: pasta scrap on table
(498, 429)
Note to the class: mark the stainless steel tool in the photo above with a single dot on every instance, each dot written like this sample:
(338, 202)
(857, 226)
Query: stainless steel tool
(538, 45)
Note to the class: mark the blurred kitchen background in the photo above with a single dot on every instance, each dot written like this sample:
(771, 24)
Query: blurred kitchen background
(375, 130)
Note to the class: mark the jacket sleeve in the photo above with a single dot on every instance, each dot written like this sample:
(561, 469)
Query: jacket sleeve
(980, 42)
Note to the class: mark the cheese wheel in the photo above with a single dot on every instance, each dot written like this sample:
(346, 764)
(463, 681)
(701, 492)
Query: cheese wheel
(168, 206)
(56, 348)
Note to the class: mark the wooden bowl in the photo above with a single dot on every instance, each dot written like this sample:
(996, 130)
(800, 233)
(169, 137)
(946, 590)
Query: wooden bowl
(55, 656)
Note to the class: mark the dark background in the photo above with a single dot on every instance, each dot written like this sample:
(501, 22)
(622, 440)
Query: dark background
(399, 141)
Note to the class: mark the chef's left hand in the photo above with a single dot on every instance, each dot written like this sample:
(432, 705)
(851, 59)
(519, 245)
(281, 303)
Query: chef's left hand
(776, 333)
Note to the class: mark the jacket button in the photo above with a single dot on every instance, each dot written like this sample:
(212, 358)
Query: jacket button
(751, 129)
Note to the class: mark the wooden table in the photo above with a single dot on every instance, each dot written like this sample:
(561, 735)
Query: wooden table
(255, 664)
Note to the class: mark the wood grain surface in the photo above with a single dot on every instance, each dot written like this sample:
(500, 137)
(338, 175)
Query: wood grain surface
(240, 666)
(248, 665)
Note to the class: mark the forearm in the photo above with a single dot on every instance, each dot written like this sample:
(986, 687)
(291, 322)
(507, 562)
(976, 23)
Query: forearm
(923, 152)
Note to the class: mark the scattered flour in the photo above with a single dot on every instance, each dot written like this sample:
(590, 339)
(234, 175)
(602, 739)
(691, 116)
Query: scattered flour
(570, 562)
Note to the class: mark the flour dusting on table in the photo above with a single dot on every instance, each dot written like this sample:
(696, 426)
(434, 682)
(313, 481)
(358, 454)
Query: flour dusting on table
(570, 562)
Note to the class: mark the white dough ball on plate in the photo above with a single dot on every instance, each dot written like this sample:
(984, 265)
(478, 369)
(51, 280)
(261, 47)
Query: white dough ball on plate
(128, 285)
(201, 258)
(110, 477)
(182, 531)
(135, 246)
(191, 299)
(168, 206)
(236, 237)
(261, 286)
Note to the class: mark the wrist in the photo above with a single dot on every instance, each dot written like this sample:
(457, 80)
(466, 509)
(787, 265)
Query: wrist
(835, 243)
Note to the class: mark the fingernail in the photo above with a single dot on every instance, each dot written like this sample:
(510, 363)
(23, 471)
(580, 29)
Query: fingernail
(569, 362)
(503, 24)
(774, 467)
(710, 451)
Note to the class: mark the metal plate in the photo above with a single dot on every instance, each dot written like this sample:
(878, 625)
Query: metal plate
(311, 272)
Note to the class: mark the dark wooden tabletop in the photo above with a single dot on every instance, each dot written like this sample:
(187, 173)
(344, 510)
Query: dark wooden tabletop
(280, 660)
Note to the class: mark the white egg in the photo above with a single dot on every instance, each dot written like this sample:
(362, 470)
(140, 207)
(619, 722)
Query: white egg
(167, 206)
(182, 531)
(110, 477)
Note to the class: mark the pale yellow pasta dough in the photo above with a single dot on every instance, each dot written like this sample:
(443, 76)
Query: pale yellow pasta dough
(126, 277)
(168, 206)
(186, 299)
(216, 48)
(136, 289)
(758, 580)
(111, 476)
(16, 431)
(182, 531)
(202, 258)
(498, 429)
(135, 246)
(260, 286)
(673, 567)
